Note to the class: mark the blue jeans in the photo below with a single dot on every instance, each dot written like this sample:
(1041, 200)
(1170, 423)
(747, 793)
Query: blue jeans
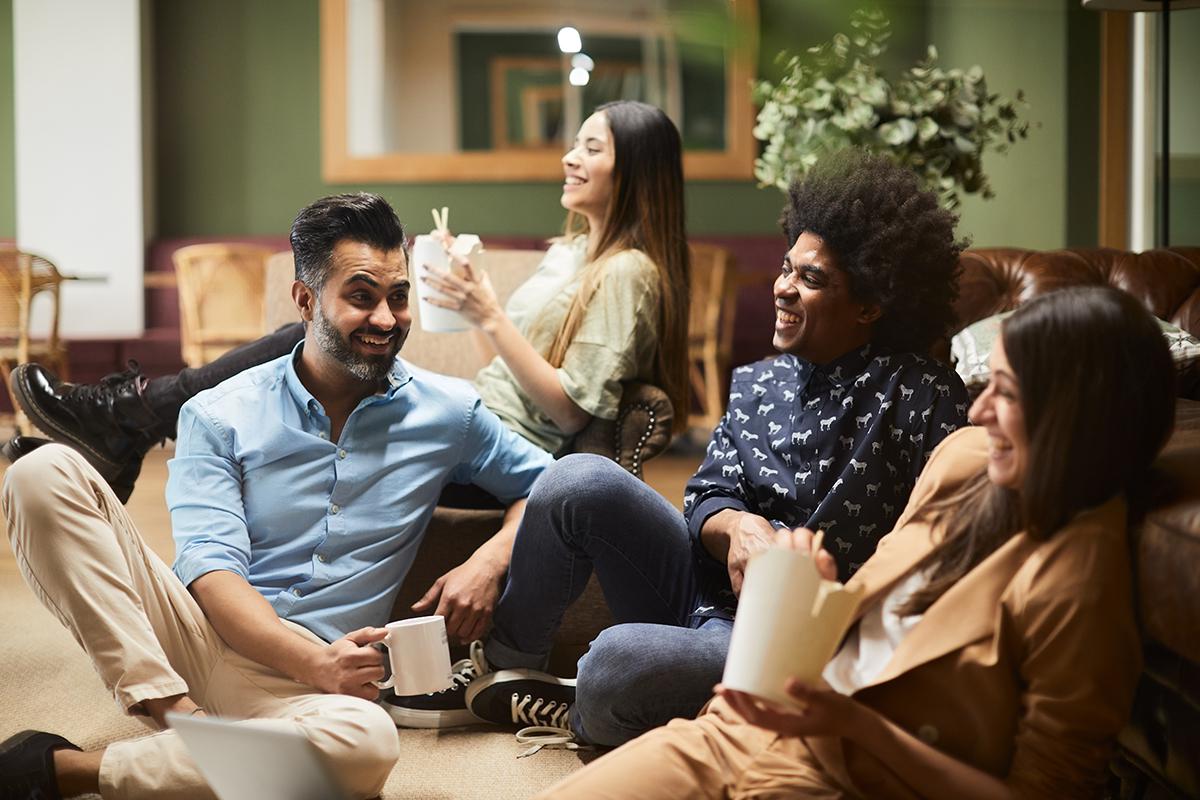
(585, 513)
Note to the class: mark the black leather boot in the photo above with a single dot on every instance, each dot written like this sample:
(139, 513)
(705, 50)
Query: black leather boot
(20, 445)
(109, 423)
(121, 482)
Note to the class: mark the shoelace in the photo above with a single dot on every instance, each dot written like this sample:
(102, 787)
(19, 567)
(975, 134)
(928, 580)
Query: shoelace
(465, 670)
(546, 723)
(96, 394)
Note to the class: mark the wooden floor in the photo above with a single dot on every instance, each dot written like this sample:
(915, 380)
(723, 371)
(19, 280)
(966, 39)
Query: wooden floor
(668, 473)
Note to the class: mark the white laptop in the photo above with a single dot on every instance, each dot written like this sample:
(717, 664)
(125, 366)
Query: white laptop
(243, 762)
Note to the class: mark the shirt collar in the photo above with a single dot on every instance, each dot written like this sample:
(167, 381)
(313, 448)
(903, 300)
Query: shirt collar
(845, 368)
(396, 380)
(840, 372)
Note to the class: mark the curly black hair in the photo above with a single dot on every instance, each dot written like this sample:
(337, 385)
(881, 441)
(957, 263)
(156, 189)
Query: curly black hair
(893, 240)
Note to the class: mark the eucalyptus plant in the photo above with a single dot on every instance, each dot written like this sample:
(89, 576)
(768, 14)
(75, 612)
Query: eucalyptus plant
(939, 122)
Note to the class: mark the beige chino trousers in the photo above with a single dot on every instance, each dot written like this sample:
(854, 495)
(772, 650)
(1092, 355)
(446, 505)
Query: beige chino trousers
(147, 637)
(717, 756)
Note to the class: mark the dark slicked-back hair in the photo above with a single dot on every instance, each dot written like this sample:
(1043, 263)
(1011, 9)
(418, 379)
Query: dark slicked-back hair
(891, 238)
(359, 217)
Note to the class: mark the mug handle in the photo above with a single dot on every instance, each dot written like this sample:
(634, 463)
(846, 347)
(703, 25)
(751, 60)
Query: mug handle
(391, 679)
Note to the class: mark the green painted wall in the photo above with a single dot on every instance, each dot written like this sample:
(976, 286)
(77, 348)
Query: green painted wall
(1083, 127)
(238, 146)
(239, 149)
(1185, 128)
(8, 159)
(238, 111)
(1021, 44)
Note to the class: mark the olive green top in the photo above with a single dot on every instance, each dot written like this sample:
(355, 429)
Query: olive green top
(616, 340)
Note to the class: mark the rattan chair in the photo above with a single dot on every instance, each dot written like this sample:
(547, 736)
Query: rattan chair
(23, 276)
(221, 298)
(710, 331)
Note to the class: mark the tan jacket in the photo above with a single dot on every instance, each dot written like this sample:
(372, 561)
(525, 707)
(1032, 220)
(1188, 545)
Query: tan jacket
(1025, 668)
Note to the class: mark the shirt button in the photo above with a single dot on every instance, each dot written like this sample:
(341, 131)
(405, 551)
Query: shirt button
(335, 508)
(321, 558)
(298, 593)
(323, 434)
(341, 453)
(927, 734)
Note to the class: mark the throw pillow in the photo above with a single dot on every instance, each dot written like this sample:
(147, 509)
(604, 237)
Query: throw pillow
(971, 348)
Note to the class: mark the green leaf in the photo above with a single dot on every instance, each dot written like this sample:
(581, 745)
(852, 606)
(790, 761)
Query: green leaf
(898, 132)
(936, 121)
(927, 128)
(874, 92)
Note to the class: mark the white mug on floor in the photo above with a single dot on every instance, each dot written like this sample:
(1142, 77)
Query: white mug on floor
(419, 654)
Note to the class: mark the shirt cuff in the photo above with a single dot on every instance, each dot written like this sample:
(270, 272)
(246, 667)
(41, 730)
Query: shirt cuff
(203, 559)
(706, 508)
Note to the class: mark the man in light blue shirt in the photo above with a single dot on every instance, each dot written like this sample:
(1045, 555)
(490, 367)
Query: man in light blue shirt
(299, 494)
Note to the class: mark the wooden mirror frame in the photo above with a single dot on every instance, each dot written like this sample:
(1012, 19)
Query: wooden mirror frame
(736, 162)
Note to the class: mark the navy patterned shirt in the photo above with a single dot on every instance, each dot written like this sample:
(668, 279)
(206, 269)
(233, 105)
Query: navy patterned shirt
(835, 447)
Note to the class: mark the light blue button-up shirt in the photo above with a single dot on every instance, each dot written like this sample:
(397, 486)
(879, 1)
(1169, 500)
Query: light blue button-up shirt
(326, 531)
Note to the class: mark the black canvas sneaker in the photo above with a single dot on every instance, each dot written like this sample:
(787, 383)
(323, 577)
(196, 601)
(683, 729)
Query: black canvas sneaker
(444, 709)
(538, 701)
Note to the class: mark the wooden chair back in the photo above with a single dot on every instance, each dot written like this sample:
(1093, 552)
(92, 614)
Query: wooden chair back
(24, 276)
(222, 290)
(710, 331)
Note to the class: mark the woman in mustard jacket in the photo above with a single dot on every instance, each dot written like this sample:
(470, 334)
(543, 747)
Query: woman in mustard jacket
(995, 652)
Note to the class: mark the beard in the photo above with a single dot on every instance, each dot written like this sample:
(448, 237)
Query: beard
(366, 368)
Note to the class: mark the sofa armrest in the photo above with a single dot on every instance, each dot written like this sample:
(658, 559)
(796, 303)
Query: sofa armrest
(641, 430)
(1188, 385)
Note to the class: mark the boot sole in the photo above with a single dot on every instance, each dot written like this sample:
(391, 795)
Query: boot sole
(108, 469)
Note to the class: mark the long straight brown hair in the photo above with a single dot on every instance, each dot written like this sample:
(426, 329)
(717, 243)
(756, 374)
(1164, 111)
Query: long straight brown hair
(1097, 390)
(645, 212)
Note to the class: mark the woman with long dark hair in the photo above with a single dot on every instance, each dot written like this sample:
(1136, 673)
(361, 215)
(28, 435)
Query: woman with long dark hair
(995, 652)
(608, 304)
(610, 301)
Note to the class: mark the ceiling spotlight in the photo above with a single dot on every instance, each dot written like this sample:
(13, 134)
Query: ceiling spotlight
(568, 40)
(579, 77)
(582, 61)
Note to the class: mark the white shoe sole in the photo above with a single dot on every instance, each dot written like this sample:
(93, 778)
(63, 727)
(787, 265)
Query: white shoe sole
(506, 675)
(420, 718)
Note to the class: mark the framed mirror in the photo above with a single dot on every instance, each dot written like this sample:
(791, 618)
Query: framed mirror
(489, 90)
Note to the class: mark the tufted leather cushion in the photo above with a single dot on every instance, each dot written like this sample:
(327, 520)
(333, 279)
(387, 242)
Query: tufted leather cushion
(999, 279)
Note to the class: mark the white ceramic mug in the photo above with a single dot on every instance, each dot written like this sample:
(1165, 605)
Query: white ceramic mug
(419, 654)
(428, 251)
(789, 622)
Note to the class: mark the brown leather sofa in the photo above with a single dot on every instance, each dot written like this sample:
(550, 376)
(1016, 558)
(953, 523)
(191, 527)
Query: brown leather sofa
(1159, 751)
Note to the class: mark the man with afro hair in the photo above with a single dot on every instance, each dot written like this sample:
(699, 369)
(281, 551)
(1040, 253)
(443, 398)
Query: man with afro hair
(830, 435)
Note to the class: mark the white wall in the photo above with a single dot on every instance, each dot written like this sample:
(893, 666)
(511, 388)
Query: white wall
(79, 154)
